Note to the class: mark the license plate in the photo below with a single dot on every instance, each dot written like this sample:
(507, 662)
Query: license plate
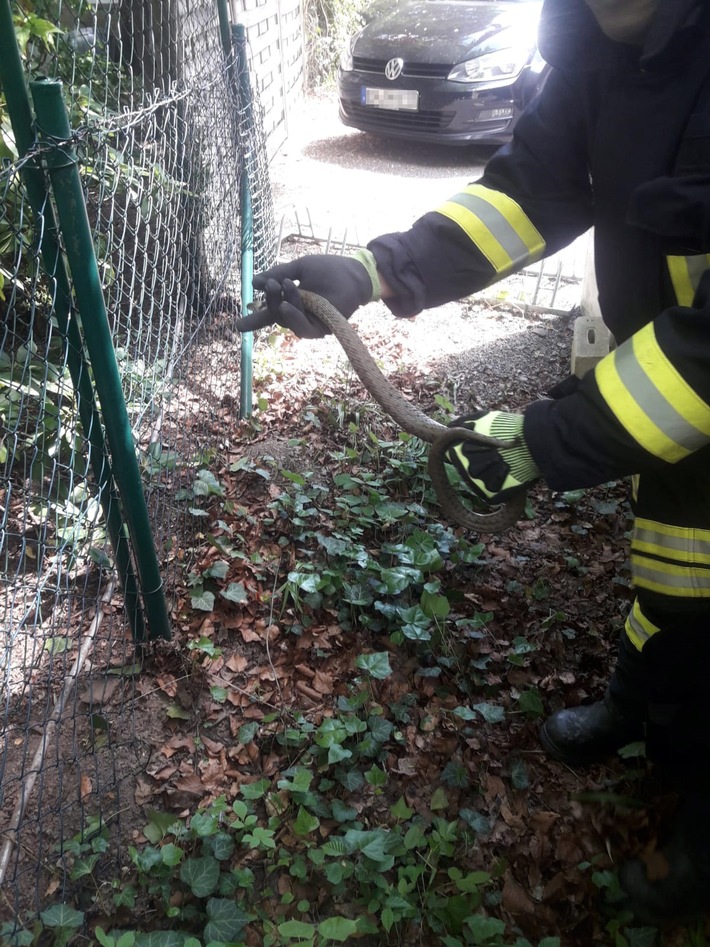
(390, 98)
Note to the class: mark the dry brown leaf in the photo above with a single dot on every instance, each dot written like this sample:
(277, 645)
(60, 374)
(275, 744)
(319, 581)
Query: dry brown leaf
(237, 663)
(167, 683)
(515, 897)
(407, 765)
(178, 742)
(99, 691)
(190, 784)
(212, 746)
(144, 791)
(323, 683)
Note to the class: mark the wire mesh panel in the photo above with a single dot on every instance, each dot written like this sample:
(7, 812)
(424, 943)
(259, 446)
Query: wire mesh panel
(162, 138)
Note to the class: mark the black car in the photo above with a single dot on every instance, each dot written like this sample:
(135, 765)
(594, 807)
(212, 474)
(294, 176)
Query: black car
(447, 71)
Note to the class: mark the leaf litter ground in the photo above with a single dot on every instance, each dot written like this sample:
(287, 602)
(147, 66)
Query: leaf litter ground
(532, 623)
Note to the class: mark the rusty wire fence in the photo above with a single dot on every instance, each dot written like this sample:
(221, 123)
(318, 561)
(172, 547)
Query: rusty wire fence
(164, 135)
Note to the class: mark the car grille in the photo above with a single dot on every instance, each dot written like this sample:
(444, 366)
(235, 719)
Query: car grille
(411, 70)
(393, 119)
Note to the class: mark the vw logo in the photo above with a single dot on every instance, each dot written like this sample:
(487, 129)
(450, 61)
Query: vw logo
(393, 69)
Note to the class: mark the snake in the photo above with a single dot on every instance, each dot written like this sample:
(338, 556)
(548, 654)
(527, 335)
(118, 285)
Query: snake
(411, 419)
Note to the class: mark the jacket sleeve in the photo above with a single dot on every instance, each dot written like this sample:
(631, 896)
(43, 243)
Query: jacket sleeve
(645, 405)
(534, 198)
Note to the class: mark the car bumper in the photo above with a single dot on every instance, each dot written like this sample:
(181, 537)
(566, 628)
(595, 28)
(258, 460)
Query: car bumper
(447, 112)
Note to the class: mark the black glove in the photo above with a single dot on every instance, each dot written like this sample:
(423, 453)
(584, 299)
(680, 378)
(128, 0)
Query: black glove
(494, 474)
(347, 282)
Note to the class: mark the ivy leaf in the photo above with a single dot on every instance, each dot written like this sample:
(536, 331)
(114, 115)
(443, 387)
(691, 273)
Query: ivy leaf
(484, 928)
(62, 915)
(305, 822)
(343, 813)
(235, 592)
(638, 748)
(439, 799)
(218, 570)
(297, 929)
(380, 729)
(465, 713)
(247, 732)
(337, 753)
(171, 854)
(478, 822)
(202, 600)
(376, 776)
(490, 713)
(401, 811)
(531, 704)
(455, 774)
(226, 921)
(201, 875)
(255, 790)
(377, 664)
(207, 484)
(371, 843)
(161, 939)
(436, 606)
(337, 928)
(222, 846)
(350, 779)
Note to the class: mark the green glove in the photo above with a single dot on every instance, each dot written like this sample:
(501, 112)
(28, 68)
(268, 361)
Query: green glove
(494, 474)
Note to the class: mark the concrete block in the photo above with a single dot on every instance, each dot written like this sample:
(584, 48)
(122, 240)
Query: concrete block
(590, 343)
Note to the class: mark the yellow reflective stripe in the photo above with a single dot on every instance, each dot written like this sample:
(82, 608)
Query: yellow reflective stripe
(669, 579)
(688, 545)
(497, 225)
(635, 487)
(638, 628)
(652, 400)
(685, 273)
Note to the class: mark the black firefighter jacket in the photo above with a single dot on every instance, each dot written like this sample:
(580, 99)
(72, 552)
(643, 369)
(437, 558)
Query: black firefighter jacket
(619, 139)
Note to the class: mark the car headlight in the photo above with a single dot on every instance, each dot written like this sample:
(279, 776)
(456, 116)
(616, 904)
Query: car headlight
(501, 64)
(346, 57)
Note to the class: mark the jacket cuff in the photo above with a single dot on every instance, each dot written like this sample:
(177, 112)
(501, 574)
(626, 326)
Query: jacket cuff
(368, 261)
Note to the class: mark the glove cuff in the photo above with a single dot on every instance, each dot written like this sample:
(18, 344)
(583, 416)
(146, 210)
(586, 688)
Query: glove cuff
(506, 426)
(368, 261)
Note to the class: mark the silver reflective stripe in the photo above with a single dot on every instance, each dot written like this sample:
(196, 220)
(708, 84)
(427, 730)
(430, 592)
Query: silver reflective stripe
(671, 580)
(697, 265)
(501, 229)
(655, 406)
(690, 548)
(639, 635)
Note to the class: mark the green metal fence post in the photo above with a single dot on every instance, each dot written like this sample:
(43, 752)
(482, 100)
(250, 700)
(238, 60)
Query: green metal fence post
(235, 51)
(225, 32)
(12, 79)
(54, 130)
(247, 226)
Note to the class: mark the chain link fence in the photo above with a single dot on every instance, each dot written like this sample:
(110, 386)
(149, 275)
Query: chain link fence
(165, 137)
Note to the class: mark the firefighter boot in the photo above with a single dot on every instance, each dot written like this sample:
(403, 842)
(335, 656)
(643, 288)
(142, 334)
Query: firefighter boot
(587, 734)
(672, 885)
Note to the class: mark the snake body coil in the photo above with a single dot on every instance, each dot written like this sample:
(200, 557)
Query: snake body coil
(415, 422)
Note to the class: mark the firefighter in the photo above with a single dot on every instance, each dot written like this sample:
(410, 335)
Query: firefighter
(618, 140)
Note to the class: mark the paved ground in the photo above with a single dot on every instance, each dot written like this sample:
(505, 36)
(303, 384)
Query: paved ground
(367, 184)
(336, 183)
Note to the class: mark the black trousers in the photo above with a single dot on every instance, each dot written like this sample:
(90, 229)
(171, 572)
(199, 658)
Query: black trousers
(663, 671)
